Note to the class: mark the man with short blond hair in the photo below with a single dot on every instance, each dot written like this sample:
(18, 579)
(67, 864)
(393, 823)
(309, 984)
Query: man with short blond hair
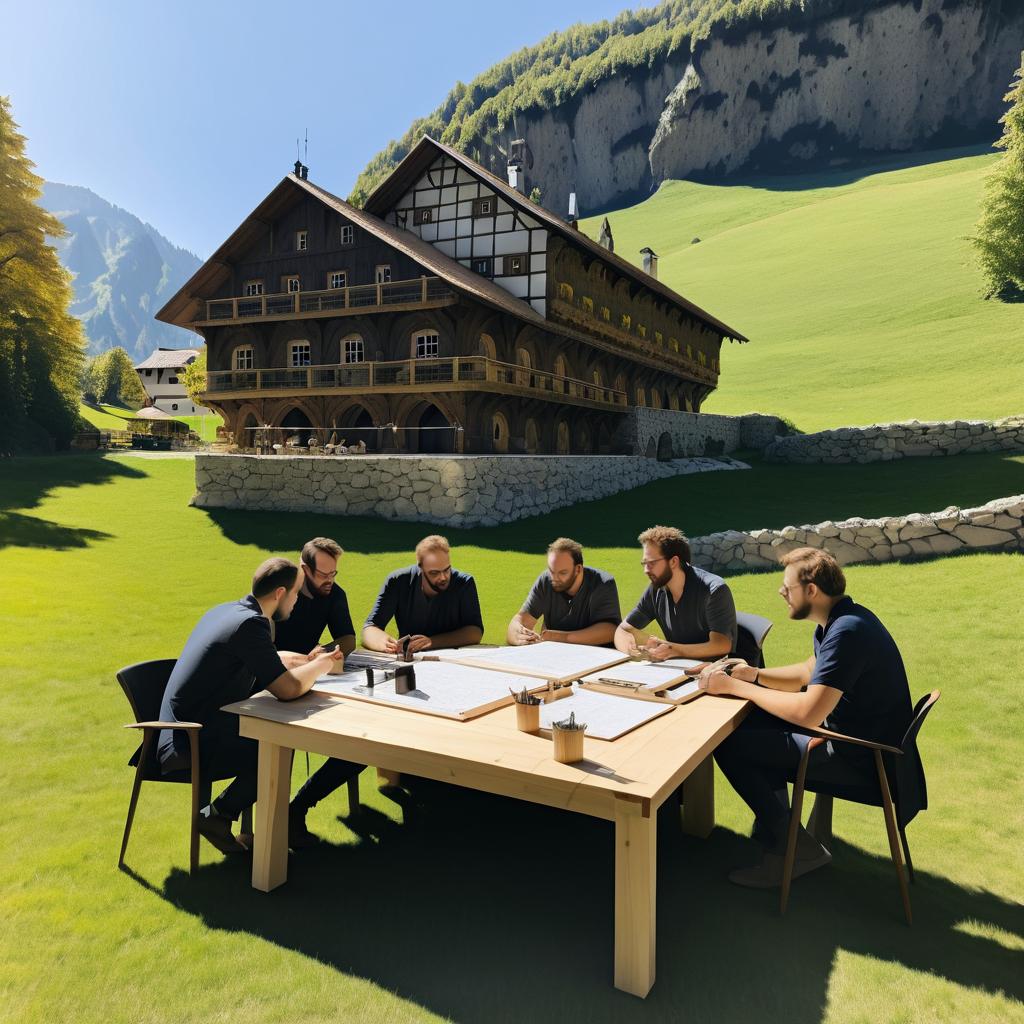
(579, 604)
(433, 605)
(854, 683)
(693, 607)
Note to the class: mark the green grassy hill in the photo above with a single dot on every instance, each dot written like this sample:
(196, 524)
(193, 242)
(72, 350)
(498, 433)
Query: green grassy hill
(857, 290)
(111, 417)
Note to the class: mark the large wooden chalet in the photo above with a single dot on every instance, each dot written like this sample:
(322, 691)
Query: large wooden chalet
(449, 314)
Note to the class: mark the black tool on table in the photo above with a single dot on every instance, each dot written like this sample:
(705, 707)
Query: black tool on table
(403, 675)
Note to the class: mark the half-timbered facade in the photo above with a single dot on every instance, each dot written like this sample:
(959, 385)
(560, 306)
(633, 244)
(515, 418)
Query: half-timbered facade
(449, 314)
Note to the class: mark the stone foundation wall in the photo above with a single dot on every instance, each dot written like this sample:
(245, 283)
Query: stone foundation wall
(885, 441)
(455, 491)
(666, 434)
(999, 525)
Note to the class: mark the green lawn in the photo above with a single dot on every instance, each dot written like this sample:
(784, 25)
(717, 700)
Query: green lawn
(105, 564)
(857, 290)
(112, 417)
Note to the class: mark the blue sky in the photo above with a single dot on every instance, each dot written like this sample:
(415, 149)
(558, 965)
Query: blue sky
(187, 114)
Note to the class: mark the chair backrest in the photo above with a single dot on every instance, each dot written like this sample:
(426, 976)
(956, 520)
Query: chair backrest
(907, 772)
(750, 633)
(144, 686)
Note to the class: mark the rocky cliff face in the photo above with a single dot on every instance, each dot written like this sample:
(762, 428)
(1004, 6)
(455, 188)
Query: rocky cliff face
(905, 76)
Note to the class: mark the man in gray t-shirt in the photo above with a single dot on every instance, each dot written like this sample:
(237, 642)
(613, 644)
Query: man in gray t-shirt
(693, 607)
(579, 605)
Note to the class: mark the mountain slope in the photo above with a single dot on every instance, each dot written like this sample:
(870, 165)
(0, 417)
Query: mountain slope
(858, 292)
(124, 270)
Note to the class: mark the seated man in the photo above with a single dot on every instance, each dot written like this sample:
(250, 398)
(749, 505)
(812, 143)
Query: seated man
(229, 656)
(694, 608)
(321, 605)
(579, 605)
(433, 605)
(854, 683)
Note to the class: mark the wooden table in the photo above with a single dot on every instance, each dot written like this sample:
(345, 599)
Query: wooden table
(624, 781)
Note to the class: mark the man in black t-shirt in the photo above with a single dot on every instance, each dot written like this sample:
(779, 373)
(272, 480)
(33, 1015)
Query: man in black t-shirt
(321, 605)
(579, 605)
(854, 683)
(432, 604)
(228, 657)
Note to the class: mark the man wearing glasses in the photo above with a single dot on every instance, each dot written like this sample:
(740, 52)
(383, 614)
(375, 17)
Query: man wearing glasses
(433, 605)
(321, 604)
(579, 604)
(694, 608)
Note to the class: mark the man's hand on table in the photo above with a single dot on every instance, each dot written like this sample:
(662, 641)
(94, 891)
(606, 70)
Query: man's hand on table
(658, 650)
(525, 635)
(418, 642)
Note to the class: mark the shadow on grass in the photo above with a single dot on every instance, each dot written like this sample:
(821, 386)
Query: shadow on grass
(763, 496)
(484, 909)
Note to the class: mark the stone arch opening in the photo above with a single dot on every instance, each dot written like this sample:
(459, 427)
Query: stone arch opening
(486, 347)
(562, 443)
(434, 434)
(499, 433)
(295, 423)
(356, 424)
(532, 436)
(665, 447)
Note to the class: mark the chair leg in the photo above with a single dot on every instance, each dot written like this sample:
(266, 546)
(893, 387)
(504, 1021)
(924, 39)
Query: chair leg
(147, 736)
(893, 833)
(794, 829)
(353, 795)
(820, 822)
(906, 854)
(245, 829)
(197, 787)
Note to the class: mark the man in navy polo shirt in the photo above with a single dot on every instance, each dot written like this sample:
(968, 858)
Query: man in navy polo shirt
(228, 657)
(854, 683)
(432, 604)
(694, 608)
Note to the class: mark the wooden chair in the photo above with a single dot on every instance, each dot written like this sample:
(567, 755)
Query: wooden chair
(144, 686)
(899, 802)
(751, 631)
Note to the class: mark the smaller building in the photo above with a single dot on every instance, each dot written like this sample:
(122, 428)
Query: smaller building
(160, 373)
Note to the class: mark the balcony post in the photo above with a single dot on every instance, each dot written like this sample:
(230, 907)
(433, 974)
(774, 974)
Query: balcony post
(234, 309)
(263, 305)
(455, 361)
(295, 303)
(371, 374)
(346, 295)
(423, 288)
(380, 300)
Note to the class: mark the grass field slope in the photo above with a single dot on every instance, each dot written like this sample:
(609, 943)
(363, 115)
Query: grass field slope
(857, 290)
(112, 417)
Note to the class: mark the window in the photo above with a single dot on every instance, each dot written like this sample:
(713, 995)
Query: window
(347, 234)
(383, 273)
(149, 373)
(290, 283)
(301, 241)
(483, 207)
(244, 357)
(299, 353)
(426, 343)
(172, 380)
(337, 279)
(174, 406)
(251, 288)
(425, 215)
(352, 350)
(484, 266)
(518, 263)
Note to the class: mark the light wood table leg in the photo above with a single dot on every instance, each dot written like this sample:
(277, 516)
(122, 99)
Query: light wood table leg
(636, 829)
(699, 799)
(386, 777)
(270, 844)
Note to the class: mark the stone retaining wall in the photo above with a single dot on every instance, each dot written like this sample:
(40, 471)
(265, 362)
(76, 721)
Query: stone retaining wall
(666, 434)
(998, 525)
(885, 441)
(455, 491)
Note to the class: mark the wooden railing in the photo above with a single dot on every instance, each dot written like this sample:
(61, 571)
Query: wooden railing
(456, 371)
(420, 291)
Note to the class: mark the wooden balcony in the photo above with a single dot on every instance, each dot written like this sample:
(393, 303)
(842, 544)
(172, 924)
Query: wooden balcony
(417, 293)
(459, 373)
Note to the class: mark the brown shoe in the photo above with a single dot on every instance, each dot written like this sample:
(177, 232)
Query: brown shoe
(216, 829)
(768, 874)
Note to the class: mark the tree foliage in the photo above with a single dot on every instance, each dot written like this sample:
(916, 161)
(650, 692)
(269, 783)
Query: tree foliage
(112, 378)
(41, 346)
(194, 378)
(999, 243)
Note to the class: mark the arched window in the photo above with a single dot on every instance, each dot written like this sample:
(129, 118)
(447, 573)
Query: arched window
(563, 438)
(532, 439)
(352, 349)
(523, 377)
(425, 344)
(487, 347)
(499, 433)
(655, 398)
(641, 398)
(673, 401)
(243, 358)
(299, 353)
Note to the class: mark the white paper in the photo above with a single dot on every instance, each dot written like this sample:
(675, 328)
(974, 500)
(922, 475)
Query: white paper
(441, 688)
(646, 673)
(607, 717)
(546, 659)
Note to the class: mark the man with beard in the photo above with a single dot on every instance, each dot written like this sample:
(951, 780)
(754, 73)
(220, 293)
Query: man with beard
(694, 608)
(854, 683)
(579, 605)
(228, 657)
(321, 604)
(433, 605)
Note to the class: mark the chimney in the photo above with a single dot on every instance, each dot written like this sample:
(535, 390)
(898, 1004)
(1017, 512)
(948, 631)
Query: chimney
(650, 261)
(605, 238)
(298, 168)
(573, 211)
(517, 165)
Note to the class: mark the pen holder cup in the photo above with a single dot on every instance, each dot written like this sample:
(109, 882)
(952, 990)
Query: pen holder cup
(528, 717)
(568, 744)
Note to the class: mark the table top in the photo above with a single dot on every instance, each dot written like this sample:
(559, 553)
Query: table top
(490, 753)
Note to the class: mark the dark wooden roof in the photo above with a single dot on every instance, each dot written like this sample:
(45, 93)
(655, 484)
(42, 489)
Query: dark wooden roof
(425, 152)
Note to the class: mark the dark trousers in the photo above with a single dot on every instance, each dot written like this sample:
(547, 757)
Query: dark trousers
(223, 754)
(764, 753)
(325, 780)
